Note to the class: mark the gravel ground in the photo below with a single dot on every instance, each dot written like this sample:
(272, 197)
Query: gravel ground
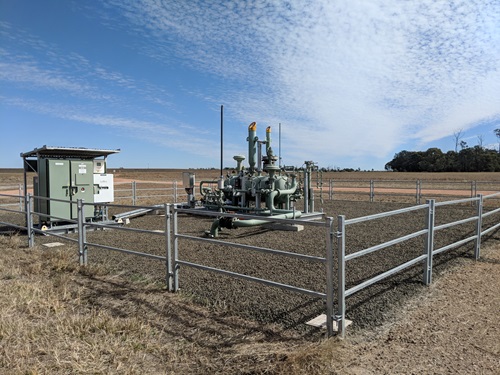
(369, 308)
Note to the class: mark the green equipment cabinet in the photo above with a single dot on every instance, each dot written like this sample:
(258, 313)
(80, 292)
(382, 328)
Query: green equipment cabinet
(64, 175)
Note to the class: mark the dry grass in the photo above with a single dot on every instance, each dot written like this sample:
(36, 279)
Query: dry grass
(59, 319)
(48, 326)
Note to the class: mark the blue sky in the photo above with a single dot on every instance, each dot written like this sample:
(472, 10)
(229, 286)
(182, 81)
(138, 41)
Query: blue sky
(351, 81)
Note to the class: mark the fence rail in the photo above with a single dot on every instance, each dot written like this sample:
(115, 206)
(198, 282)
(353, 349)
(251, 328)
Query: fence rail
(331, 188)
(173, 235)
(135, 192)
(428, 251)
(327, 259)
(417, 189)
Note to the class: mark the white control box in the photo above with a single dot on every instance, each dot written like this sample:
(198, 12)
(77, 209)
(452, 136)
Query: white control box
(99, 166)
(103, 188)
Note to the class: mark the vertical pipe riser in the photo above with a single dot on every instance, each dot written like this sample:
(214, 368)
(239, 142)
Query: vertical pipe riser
(268, 139)
(252, 145)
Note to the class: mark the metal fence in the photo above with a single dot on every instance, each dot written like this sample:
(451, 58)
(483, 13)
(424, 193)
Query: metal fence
(12, 200)
(327, 259)
(428, 252)
(144, 191)
(416, 190)
(173, 235)
(335, 189)
(330, 189)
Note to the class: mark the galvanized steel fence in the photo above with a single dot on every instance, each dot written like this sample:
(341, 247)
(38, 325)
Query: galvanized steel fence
(327, 259)
(173, 235)
(330, 189)
(428, 252)
(138, 190)
(417, 190)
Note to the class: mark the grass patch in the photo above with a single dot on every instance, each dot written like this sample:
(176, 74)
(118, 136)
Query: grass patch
(58, 318)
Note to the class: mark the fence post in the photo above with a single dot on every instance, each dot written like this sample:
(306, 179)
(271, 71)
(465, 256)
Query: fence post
(330, 189)
(175, 191)
(133, 193)
(429, 241)
(479, 227)
(29, 221)
(176, 253)
(417, 192)
(170, 274)
(341, 276)
(21, 195)
(372, 190)
(329, 276)
(82, 247)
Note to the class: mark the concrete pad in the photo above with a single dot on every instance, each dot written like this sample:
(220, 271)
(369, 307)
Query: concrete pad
(320, 322)
(284, 227)
(52, 244)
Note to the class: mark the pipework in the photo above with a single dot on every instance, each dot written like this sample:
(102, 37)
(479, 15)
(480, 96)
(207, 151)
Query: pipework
(262, 188)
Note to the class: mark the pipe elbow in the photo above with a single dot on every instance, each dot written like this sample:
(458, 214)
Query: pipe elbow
(214, 229)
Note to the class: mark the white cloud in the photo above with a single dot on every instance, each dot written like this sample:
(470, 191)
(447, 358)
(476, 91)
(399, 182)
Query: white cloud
(347, 77)
(28, 74)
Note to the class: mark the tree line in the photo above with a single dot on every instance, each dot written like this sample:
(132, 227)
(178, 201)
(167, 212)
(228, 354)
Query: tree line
(468, 159)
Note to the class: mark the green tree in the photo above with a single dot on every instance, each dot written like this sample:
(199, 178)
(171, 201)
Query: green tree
(497, 133)
(469, 159)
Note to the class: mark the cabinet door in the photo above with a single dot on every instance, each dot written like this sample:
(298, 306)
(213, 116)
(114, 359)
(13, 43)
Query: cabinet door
(58, 186)
(82, 183)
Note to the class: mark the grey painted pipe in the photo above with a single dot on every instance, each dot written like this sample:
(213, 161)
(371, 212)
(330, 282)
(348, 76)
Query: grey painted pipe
(256, 222)
(252, 145)
(278, 192)
(268, 139)
(214, 230)
(202, 182)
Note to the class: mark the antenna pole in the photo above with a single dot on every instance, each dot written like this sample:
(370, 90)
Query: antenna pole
(221, 141)
(279, 136)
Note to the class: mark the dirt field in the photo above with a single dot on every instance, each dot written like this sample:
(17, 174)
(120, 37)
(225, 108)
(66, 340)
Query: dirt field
(224, 325)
